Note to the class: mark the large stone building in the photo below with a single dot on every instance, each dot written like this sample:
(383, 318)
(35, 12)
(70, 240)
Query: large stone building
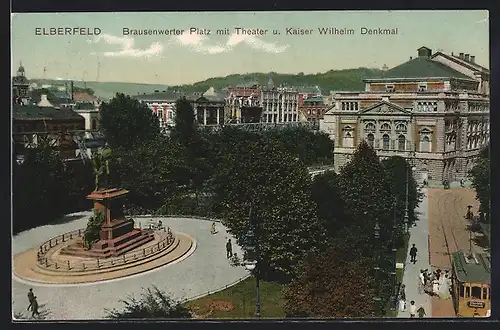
(208, 106)
(280, 104)
(242, 102)
(432, 110)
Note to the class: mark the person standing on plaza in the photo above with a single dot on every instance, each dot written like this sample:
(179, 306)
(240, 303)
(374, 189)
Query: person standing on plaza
(229, 249)
(421, 311)
(34, 307)
(413, 309)
(413, 254)
(31, 296)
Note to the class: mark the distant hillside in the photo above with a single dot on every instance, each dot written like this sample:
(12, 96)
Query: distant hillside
(333, 80)
(107, 90)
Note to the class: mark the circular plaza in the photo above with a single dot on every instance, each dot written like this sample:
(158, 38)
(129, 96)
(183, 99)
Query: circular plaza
(183, 259)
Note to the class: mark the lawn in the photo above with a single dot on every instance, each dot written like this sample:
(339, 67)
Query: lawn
(238, 301)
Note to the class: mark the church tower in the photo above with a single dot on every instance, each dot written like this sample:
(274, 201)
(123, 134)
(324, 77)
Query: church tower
(20, 86)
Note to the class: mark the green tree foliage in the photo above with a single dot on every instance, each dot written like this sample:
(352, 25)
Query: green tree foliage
(311, 147)
(40, 188)
(367, 193)
(338, 80)
(152, 171)
(126, 121)
(480, 175)
(93, 229)
(153, 304)
(259, 172)
(330, 285)
(185, 128)
(399, 172)
(332, 209)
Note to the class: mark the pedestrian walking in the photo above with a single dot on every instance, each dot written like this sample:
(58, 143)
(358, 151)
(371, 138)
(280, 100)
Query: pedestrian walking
(229, 249)
(402, 304)
(31, 296)
(212, 229)
(402, 292)
(34, 307)
(413, 254)
(421, 311)
(413, 309)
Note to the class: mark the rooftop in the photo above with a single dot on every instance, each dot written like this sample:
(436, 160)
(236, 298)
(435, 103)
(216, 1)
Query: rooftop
(477, 270)
(423, 67)
(34, 112)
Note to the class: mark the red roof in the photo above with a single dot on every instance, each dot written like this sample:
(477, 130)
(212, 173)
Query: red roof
(83, 97)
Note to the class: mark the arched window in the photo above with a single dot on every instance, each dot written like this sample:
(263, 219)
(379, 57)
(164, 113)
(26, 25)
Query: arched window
(370, 127)
(425, 144)
(385, 142)
(385, 127)
(94, 124)
(401, 128)
(401, 142)
(370, 138)
(348, 139)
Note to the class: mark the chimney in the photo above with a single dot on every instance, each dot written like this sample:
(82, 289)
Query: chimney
(452, 54)
(472, 59)
(424, 52)
(466, 57)
(411, 58)
(461, 55)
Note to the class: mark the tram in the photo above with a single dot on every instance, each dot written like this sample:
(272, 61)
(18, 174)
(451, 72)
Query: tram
(471, 284)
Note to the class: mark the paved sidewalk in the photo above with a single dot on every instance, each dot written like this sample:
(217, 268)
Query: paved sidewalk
(419, 235)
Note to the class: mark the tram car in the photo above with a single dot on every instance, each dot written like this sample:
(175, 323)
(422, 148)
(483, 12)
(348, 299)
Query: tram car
(471, 284)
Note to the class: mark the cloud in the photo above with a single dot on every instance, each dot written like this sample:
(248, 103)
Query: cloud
(127, 47)
(201, 44)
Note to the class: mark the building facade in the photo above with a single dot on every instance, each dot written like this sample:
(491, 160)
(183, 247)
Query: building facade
(208, 106)
(20, 87)
(313, 108)
(428, 110)
(241, 102)
(280, 104)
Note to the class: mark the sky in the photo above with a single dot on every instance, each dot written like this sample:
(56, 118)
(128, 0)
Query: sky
(111, 55)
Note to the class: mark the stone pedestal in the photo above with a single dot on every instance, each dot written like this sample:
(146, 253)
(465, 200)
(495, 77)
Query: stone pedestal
(117, 234)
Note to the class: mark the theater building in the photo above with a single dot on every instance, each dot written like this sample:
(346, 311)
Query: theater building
(433, 110)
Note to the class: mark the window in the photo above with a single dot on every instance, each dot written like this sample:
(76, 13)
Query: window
(348, 139)
(422, 87)
(485, 293)
(385, 142)
(385, 127)
(401, 128)
(389, 88)
(401, 142)
(370, 127)
(425, 144)
(462, 290)
(476, 292)
(94, 124)
(467, 292)
(370, 138)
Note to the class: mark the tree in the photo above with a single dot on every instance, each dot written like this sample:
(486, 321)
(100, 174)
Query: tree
(367, 195)
(185, 129)
(399, 172)
(260, 173)
(330, 284)
(332, 209)
(152, 171)
(40, 184)
(126, 121)
(480, 175)
(154, 303)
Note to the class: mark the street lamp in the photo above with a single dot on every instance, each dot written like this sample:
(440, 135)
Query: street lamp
(394, 297)
(377, 298)
(406, 216)
(251, 262)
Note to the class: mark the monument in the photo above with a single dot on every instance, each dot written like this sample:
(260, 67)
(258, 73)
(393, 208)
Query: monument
(109, 233)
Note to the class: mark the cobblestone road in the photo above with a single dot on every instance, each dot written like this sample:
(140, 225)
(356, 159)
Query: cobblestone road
(448, 233)
(207, 269)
